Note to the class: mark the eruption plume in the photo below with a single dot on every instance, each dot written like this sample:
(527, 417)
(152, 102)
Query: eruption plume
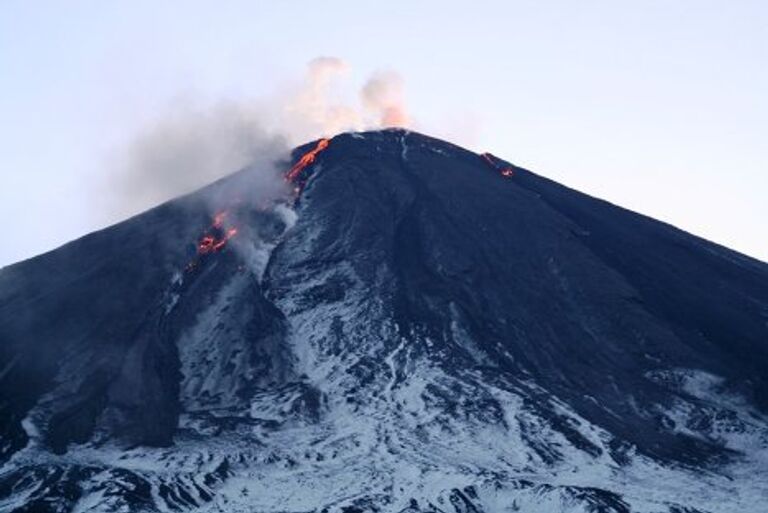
(191, 146)
(383, 95)
(314, 110)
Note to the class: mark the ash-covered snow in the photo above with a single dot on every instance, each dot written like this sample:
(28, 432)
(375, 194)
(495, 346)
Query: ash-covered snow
(352, 354)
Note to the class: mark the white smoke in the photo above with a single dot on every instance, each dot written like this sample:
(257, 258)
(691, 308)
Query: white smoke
(192, 145)
(383, 95)
(317, 111)
(314, 111)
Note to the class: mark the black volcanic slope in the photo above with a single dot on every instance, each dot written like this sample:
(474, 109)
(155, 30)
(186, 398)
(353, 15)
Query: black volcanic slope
(413, 265)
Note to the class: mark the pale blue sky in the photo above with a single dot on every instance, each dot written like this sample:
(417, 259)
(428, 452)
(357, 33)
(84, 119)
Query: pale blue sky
(659, 106)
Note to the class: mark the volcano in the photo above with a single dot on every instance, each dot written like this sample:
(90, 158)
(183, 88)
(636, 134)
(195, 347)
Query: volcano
(419, 329)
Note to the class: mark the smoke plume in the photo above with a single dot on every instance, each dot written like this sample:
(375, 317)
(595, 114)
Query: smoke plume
(190, 146)
(314, 110)
(382, 95)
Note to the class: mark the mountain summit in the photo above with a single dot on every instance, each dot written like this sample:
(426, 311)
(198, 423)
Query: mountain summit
(421, 328)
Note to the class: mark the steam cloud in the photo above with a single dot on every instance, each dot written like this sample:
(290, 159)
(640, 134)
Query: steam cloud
(190, 147)
(383, 95)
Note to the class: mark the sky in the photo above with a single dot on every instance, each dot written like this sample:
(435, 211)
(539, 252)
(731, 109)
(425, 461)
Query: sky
(658, 106)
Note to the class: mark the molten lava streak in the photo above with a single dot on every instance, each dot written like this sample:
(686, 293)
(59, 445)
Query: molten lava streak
(495, 163)
(210, 244)
(216, 236)
(306, 160)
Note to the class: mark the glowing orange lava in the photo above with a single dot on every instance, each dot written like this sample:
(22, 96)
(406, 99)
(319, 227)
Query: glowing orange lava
(215, 237)
(306, 160)
(495, 163)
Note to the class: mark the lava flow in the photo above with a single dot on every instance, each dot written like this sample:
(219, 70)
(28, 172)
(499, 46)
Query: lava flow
(216, 236)
(495, 163)
(292, 176)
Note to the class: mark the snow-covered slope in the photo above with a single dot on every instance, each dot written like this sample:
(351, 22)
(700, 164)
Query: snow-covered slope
(420, 331)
